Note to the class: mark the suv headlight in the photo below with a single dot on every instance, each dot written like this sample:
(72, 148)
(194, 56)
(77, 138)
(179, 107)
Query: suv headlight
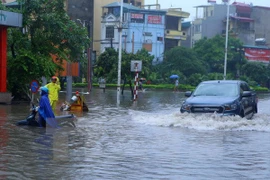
(186, 107)
(229, 107)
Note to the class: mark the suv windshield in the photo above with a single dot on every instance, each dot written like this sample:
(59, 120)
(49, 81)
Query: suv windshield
(217, 89)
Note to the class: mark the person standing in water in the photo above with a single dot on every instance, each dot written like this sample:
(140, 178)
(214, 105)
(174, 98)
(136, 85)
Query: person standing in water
(176, 84)
(54, 88)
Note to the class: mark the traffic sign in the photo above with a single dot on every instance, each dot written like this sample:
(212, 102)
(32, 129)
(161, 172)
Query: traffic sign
(34, 86)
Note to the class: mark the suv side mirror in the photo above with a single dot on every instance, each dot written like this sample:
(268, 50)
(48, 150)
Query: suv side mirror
(246, 94)
(188, 93)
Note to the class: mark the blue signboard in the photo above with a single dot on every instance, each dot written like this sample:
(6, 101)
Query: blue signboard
(34, 86)
(10, 19)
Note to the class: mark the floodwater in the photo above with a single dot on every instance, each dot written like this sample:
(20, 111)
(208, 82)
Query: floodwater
(147, 139)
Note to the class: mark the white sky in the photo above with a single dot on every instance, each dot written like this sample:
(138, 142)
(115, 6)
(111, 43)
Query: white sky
(188, 5)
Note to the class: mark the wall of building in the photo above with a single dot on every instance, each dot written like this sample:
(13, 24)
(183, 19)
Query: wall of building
(187, 28)
(136, 36)
(261, 22)
(98, 4)
(215, 24)
(81, 12)
(147, 35)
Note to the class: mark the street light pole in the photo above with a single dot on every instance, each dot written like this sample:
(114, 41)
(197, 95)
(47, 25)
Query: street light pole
(119, 52)
(226, 42)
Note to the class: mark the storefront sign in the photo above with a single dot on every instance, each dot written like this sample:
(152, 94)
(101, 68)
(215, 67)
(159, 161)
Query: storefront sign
(10, 19)
(256, 54)
(154, 19)
(137, 18)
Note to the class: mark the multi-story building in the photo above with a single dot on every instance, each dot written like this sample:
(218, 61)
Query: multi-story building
(174, 34)
(187, 29)
(241, 23)
(247, 22)
(141, 29)
(261, 26)
(210, 23)
(81, 11)
(89, 14)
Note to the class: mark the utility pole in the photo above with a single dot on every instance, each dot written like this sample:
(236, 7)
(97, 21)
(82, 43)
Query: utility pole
(120, 52)
(227, 34)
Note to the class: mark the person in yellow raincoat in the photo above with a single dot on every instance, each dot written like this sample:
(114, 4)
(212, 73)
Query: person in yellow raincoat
(54, 88)
(76, 103)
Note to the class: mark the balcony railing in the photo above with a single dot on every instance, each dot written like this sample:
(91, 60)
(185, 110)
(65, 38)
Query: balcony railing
(236, 31)
(173, 34)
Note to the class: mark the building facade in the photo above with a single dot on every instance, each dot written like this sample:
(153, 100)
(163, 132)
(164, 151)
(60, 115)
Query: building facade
(97, 18)
(81, 12)
(88, 13)
(211, 22)
(246, 22)
(174, 34)
(187, 29)
(141, 29)
(261, 26)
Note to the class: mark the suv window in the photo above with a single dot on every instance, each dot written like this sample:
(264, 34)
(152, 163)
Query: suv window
(244, 87)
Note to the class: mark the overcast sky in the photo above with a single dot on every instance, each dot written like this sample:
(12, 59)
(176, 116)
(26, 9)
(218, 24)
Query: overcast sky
(188, 5)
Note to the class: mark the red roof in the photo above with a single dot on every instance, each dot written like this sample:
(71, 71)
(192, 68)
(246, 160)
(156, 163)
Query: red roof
(242, 7)
(243, 19)
(240, 4)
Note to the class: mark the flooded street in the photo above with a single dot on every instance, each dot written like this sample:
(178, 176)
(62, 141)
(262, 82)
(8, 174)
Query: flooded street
(148, 139)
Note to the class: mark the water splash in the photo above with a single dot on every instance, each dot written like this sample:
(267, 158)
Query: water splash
(204, 122)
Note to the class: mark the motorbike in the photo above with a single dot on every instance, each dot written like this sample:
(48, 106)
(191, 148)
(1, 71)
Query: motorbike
(30, 120)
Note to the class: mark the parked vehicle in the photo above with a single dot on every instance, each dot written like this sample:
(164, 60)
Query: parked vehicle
(224, 97)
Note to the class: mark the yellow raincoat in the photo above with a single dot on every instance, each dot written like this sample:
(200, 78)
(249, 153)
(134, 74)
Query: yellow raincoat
(54, 88)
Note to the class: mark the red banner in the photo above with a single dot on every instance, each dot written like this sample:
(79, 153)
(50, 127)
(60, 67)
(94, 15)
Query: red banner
(256, 54)
(137, 16)
(152, 19)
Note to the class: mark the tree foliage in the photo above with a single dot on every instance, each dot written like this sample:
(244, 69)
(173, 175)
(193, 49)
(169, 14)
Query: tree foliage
(107, 65)
(181, 61)
(47, 30)
(256, 71)
(211, 51)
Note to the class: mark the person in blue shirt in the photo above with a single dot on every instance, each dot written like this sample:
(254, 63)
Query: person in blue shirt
(46, 115)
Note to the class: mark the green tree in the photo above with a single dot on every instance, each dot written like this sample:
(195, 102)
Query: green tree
(181, 61)
(47, 30)
(211, 51)
(107, 65)
(256, 71)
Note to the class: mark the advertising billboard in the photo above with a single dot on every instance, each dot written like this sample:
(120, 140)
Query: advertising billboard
(258, 54)
(154, 19)
(137, 18)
